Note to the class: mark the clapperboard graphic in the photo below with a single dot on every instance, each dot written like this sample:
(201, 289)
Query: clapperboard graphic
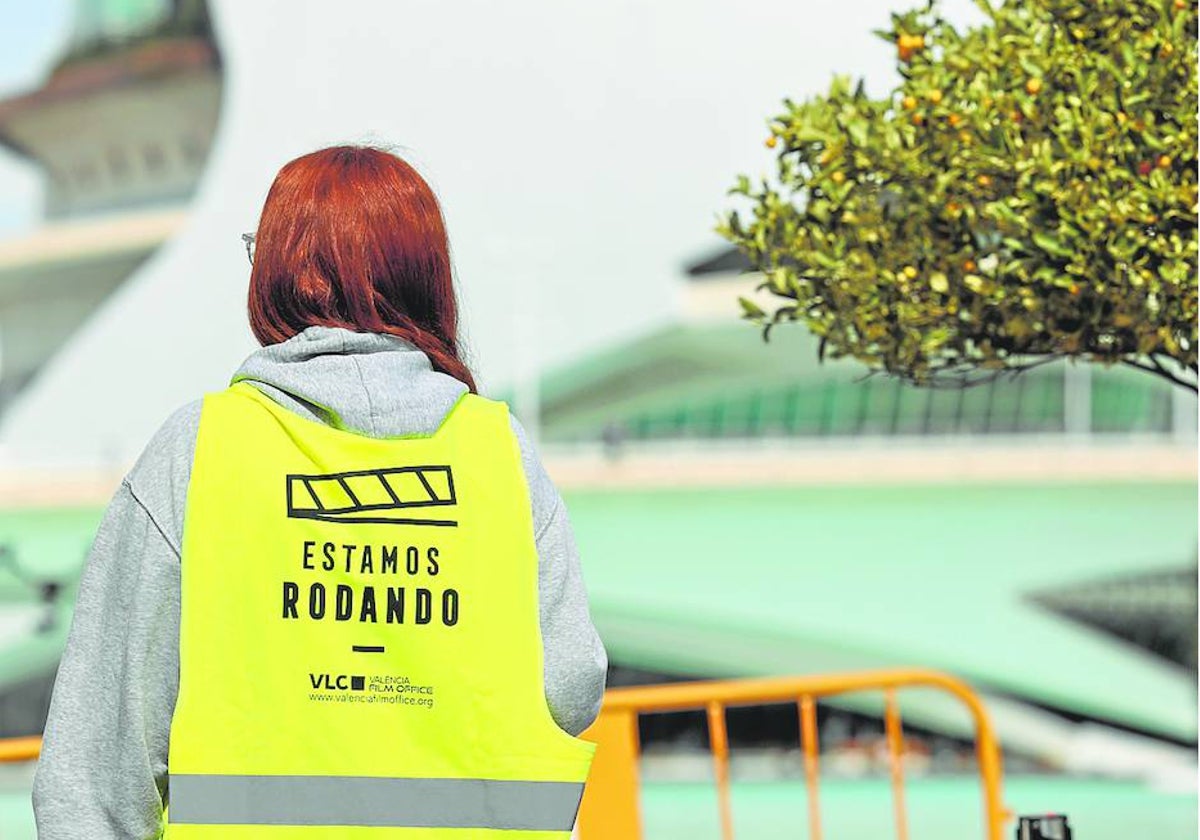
(393, 496)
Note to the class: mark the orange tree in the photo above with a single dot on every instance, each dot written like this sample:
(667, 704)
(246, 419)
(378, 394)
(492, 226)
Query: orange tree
(1027, 192)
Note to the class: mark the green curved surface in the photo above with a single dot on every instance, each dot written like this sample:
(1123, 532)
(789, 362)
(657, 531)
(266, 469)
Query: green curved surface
(793, 580)
(783, 580)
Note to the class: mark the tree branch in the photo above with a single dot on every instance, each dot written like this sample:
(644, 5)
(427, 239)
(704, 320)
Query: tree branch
(1158, 369)
(969, 376)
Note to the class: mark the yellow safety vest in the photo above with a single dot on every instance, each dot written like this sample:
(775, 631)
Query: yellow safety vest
(360, 653)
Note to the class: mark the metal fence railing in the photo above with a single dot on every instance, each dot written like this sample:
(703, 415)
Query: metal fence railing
(611, 809)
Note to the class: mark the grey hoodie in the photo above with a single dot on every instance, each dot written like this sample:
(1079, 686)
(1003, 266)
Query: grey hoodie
(103, 770)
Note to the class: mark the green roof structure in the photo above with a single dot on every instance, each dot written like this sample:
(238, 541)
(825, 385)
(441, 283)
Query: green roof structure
(720, 381)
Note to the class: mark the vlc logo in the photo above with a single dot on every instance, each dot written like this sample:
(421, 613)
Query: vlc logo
(339, 682)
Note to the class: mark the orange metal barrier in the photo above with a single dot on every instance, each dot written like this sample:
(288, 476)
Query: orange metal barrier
(20, 749)
(610, 809)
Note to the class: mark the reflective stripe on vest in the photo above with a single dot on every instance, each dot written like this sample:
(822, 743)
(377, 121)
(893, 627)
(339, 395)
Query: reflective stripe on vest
(359, 645)
(370, 801)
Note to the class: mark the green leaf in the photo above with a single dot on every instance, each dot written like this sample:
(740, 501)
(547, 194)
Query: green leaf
(751, 310)
(1051, 245)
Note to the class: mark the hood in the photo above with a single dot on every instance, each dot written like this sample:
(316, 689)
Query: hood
(371, 384)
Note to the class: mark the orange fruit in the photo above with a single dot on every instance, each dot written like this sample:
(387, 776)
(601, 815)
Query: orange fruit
(909, 44)
(838, 177)
(984, 180)
(969, 266)
(954, 120)
(1164, 162)
(772, 141)
(908, 103)
(934, 96)
(1033, 85)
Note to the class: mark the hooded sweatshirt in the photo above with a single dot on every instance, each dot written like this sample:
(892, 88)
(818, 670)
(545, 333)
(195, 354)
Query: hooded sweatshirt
(103, 770)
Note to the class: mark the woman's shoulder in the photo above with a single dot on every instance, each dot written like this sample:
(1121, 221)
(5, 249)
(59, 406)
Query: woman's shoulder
(159, 479)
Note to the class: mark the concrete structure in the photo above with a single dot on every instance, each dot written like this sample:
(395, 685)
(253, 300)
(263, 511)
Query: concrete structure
(121, 131)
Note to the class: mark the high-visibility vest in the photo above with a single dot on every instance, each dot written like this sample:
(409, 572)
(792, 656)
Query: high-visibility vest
(360, 651)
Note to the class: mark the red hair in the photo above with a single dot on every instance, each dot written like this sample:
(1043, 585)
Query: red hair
(353, 237)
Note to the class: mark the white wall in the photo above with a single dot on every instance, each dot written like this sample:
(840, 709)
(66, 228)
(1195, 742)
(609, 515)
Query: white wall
(580, 149)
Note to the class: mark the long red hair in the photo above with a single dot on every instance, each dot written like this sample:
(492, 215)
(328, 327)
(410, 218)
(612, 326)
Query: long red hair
(353, 237)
